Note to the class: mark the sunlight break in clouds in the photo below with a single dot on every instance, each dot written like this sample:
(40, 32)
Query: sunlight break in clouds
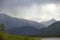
(44, 11)
(48, 10)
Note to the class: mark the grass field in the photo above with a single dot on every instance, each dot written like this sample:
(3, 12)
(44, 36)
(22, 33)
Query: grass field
(6, 36)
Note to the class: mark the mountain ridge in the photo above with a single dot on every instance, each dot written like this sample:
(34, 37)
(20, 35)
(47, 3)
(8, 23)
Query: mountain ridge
(15, 22)
(49, 22)
(53, 29)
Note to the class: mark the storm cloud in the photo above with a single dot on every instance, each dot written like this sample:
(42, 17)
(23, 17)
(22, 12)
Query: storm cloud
(42, 9)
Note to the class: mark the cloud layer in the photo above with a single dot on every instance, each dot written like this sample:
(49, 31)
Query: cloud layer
(43, 9)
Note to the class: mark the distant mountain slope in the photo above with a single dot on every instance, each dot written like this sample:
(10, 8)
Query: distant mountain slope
(53, 29)
(48, 23)
(11, 22)
(27, 30)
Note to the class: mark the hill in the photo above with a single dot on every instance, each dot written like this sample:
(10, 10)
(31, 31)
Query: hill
(53, 29)
(27, 30)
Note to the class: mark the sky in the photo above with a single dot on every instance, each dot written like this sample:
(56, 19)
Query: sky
(36, 10)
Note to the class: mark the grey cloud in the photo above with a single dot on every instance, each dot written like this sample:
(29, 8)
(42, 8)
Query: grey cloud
(10, 6)
(27, 2)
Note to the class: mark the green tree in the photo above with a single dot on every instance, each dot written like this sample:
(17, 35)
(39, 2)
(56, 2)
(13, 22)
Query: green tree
(2, 29)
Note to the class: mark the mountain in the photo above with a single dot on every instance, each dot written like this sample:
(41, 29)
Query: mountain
(48, 23)
(11, 22)
(53, 29)
(26, 30)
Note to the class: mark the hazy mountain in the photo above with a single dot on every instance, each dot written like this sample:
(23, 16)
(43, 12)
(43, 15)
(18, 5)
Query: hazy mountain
(15, 22)
(53, 29)
(48, 23)
(26, 30)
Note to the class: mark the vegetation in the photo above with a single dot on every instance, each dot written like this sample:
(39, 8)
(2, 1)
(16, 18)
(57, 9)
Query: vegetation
(15, 37)
(6, 36)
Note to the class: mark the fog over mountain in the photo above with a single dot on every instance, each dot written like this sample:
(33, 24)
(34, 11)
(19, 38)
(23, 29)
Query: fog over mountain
(49, 22)
(30, 17)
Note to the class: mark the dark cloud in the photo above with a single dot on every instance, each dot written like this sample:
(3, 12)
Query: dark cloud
(27, 2)
(1, 2)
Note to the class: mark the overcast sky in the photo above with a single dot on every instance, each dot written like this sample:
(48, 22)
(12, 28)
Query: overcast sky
(31, 9)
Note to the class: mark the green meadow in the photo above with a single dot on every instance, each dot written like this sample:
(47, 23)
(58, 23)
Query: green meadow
(6, 36)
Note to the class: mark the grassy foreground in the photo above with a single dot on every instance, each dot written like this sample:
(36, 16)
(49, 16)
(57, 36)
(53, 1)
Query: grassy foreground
(6, 36)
